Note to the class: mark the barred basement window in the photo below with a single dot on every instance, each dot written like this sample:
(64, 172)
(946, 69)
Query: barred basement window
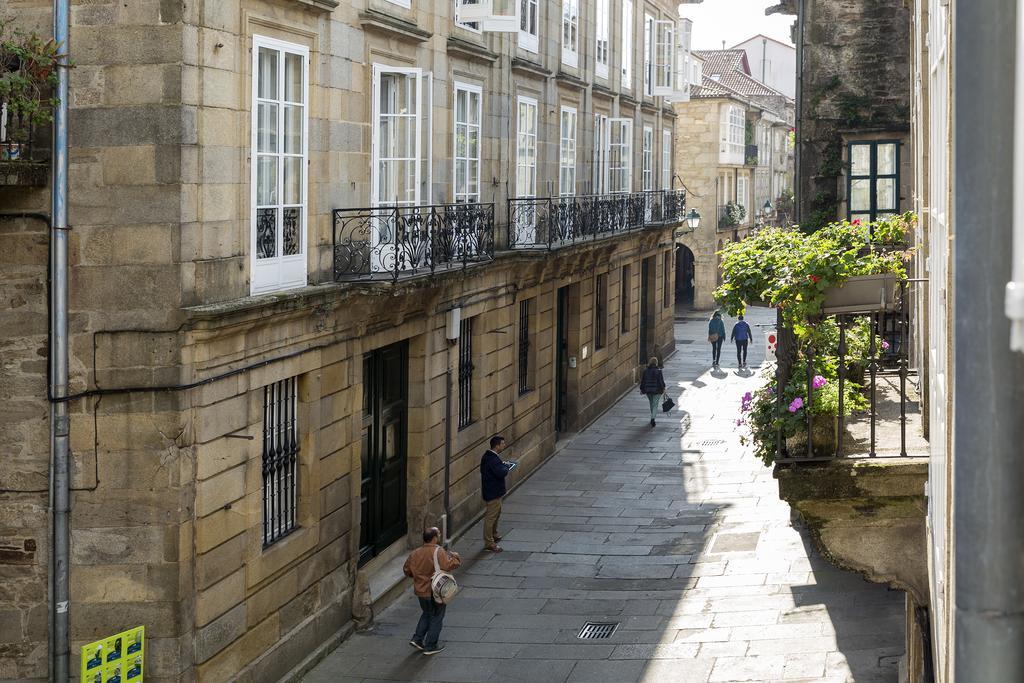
(524, 347)
(280, 455)
(600, 311)
(465, 372)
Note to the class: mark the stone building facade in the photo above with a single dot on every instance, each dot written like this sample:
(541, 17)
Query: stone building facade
(732, 147)
(270, 403)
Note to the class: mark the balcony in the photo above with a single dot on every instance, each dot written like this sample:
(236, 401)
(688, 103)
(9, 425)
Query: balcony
(556, 222)
(382, 243)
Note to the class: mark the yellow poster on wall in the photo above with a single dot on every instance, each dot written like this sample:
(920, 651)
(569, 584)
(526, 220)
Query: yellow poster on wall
(117, 659)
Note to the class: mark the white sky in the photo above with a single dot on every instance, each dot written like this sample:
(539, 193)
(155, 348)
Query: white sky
(734, 21)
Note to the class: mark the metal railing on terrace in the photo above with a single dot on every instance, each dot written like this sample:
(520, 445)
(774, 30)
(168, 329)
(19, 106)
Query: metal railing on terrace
(556, 222)
(386, 242)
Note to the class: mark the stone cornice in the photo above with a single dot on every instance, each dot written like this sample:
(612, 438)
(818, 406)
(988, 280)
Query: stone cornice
(471, 50)
(323, 5)
(570, 79)
(372, 20)
(530, 67)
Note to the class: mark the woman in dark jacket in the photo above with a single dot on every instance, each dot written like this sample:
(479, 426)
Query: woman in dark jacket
(652, 385)
(716, 335)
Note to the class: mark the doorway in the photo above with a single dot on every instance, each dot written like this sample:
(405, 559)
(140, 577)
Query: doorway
(685, 276)
(562, 361)
(646, 309)
(384, 452)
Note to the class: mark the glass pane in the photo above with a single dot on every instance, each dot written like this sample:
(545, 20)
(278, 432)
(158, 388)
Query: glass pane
(474, 108)
(291, 237)
(266, 128)
(860, 159)
(266, 233)
(474, 143)
(397, 137)
(474, 172)
(292, 180)
(293, 77)
(460, 177)
(887, 159)
(397, 94)
(461, 115)
(886, 188)
(860, 195)
(267, 86)
(293, 129)
(266, 180)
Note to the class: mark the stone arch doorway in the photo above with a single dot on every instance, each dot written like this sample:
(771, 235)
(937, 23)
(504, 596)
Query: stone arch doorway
(686, 276)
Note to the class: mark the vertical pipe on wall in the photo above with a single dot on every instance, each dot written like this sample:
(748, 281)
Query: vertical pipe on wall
(988, 378)
(447, 449)
(60, 502)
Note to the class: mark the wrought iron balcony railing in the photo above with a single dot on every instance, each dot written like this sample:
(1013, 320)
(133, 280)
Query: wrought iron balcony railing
(386, 242)
(554, 222)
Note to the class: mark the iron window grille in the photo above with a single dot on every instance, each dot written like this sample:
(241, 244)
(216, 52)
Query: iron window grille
(524, 347)
(600, 311)
(465, 372)
(624, 307)
(280, 458)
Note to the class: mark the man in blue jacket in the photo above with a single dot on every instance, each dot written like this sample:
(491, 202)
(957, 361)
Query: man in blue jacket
(741, 334)
(493, 471)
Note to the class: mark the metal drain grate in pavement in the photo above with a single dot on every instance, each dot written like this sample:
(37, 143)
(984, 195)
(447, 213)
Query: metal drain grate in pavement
(594, 630)
(711, 442)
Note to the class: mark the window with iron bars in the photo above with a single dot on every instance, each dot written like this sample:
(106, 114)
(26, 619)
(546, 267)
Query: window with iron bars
(280, 458)
(600, 311)
(525, 385)
(465, 373)
(624, 307)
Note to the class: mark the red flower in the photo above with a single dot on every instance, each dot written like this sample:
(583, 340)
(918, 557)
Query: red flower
(856, 221)
(814, 279)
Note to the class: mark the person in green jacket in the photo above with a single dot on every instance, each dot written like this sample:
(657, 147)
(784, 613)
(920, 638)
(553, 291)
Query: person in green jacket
(716, 335)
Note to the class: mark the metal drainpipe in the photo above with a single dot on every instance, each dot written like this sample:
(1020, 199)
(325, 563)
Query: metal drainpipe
(60, 499)
(447, 449)
(797, 180)
(988, 378)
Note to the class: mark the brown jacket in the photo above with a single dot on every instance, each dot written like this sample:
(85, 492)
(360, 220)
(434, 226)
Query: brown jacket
(420, 566)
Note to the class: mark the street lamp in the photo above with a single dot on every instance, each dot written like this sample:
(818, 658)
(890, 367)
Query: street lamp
(767, 208)
(693, 220)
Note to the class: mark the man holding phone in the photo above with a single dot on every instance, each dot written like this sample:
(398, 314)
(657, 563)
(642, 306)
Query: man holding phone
(493, 471)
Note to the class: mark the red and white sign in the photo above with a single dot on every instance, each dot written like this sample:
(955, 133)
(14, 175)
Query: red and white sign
(771, 343)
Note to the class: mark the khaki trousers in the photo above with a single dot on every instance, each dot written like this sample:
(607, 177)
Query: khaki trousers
(492, 512)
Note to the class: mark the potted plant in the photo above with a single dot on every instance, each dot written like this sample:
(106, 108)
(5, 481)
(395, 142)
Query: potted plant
(733, 215)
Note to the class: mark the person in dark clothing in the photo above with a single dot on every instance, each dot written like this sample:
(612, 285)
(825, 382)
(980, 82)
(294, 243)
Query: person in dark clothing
(652, 385)
(741, 334)
(493, 471)
(716, 335)
(419, 566)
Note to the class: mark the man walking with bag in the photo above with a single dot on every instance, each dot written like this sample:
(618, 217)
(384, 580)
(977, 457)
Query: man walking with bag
(421, 566)
(493, 471)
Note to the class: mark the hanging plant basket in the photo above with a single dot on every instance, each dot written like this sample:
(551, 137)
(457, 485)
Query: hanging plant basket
(863, 294)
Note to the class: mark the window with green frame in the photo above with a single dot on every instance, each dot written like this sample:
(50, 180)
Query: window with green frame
(873, 183)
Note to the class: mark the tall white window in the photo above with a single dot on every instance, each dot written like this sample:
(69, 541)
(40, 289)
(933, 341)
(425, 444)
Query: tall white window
(603, 32)
(664, 55)
(620, 157)
(648, 53)
(529, 25)
(647, 159)
(600, 154)
(627, 44)
(666, 159)
(732, 131)
(467, 142)
(567, 153)
(280, 121)
(742, 189)
(399, 164)
(526, 147)
(570, 32)
(459, 21)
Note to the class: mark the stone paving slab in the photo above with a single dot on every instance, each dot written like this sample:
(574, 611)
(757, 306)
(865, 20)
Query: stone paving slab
(675, 532)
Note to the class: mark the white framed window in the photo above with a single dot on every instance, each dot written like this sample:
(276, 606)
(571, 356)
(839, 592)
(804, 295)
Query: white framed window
(647, 159)
(399, 169)
(627, 44)
(526, 147)
(499, 16)
(280, 139)
(620, 155)
(401, 3)
(603, 32)
(567, 153)
(466, 154)
(742, 188)
(666, 159)
(570, 32)
(648, 53)
(600, 155)
(529, 25)
(664, 55)
(280, 460)
(695, 73)
(684, 62)
(732, 131)
(460, 21)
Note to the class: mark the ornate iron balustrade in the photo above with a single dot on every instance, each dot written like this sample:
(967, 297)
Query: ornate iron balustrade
(391, 241)
(553, 222)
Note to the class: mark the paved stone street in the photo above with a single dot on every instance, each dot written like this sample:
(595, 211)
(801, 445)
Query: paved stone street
(677, 534)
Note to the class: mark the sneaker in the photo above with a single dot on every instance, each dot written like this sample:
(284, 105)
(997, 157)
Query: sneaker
(497, 538)
(652, 422)
(493, 548)
(434, 650)
(416, 644)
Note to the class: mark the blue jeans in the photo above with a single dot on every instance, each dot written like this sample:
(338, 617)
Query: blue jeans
(428, 629)
(741, 351)
(655, 400)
